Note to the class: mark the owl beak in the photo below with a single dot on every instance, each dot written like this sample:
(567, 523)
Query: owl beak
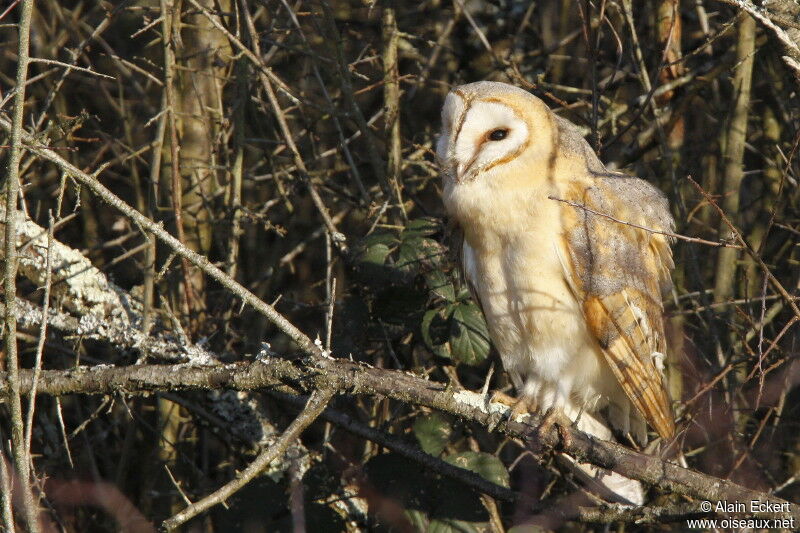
(463, 169)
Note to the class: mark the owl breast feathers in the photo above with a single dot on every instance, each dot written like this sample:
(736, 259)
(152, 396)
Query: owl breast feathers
(572, 298)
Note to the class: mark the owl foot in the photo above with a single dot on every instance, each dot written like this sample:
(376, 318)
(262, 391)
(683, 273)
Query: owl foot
(502, 397)
(519, 406)
(555, 416)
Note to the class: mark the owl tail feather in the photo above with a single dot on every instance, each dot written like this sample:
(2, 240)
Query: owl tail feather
(609, 485)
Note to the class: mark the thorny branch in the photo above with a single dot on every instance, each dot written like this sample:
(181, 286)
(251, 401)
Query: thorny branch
(344, 377)
(22, 463)
(750, 251)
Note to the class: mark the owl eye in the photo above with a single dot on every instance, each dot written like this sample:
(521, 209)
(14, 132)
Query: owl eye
(498, 135)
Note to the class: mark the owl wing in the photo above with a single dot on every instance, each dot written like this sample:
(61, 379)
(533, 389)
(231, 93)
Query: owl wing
(619, 272)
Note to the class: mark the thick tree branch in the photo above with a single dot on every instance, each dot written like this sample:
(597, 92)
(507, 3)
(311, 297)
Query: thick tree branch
(84, 289)
(345, 377)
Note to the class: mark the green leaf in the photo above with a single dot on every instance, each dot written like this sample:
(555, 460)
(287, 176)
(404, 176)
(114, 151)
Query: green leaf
(375, 247)
(418, 519)
(389, 238)
(469, 336)
(422, 227)
(440, 285)
(375, 254)
(371, 257)
(419, 254)
(435, 329)
(432, 254)
(408, 256)
(486, 465)
(433, 432)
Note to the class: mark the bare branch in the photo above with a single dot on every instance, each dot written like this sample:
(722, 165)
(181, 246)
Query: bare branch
(304, 342)
(749, 249)
(769, 20)
(37, 366)
(12, 393)
(316, 404)
(345, 377)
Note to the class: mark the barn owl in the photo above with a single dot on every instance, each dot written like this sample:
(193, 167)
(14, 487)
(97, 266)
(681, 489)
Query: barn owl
(572, 298)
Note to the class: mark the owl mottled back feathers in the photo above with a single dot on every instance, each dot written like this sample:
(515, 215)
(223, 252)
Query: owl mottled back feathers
(620, 273)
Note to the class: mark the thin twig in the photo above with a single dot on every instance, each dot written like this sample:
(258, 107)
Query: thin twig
(266, 83)
(481, 36)
(356, 175)
(21, 458)
(169, 18)
(76, 54)
(346, 86)
(37, 366)
(717, 244)
(70, 67)
(5, 494)
(234, 188)
(151, 206)
(253, 57)
(304, 343)
(177, 485)
(316, 404)
(63, 428)
(747, 248)
(331, 285)
(391, 103)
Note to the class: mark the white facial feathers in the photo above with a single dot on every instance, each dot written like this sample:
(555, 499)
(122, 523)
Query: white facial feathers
(490, 132)
(477, 135)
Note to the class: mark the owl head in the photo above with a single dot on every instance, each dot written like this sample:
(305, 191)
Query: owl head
(487, 126)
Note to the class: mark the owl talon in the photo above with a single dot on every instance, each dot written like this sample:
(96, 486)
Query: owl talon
(566, 436)
(556, 417)
(505, 399)
(519, 406)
